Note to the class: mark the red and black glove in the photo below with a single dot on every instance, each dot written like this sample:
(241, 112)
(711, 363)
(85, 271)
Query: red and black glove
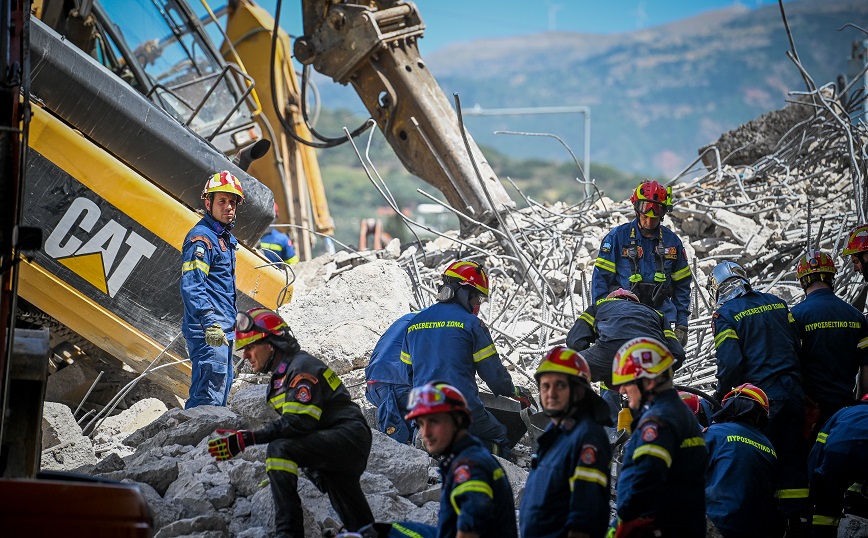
(641, 527)
(523, 396)
(230, 444)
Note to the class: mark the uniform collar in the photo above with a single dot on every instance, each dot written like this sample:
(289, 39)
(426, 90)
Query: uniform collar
(456, 448)
(636, 233)
(217, 226)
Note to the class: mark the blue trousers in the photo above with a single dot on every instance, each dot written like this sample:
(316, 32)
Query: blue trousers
(390, 399)
(212, 372)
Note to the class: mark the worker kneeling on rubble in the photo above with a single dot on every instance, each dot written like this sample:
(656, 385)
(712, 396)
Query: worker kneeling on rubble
(742, 467)
(567, 491)
(320, 428)
(648, 259)
(447, 341)
(661, 487)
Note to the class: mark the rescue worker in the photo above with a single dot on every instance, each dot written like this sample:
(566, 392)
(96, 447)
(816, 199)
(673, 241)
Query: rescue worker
(319, 429)
(448, 341)
(837, 460)
(208, 291)
(648, 259)
(742, 467)
(476, 497)
(567, 491)
(661, 487)
(700, 408)
(757, 342)
(279, 243)
(857, 246)
(834, 341)
(388, 381)
(608, 324)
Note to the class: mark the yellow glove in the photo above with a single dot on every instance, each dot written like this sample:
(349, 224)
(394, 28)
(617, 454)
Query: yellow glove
(214, 336)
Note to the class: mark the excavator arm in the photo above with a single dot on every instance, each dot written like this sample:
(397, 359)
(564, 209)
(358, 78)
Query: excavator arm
(373, 46)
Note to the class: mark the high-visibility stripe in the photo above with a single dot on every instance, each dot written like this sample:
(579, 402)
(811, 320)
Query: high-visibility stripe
(669, 333)
(484, 353)
(863, 343)
(729, 333)
(271, 246)
(654, 450)
(605, 265)
(821, 437)
(498, 473)
(588, 474)
(692, 441)
(790, 317)
(195, 264)
(473, 485)
(795, 493)
(589, 319)
(856, 486)
(682, 274)
(405, 531)
(825, 521)
(296, 408)
(405, 358)
(280, 464)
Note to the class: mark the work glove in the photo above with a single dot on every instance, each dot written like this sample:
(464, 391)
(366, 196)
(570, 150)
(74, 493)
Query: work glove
(230, 444)
(523, 396)
(681, 334)
(214, 336)
(641, 527)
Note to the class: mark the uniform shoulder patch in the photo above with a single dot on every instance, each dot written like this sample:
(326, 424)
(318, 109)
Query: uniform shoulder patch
(461, 474)
(606, 247)
(390, 430)
(303, 393)
(332, 378)
(279, 382)
(303, 377)
(199, 252)
(282, 368)
(588, 455)
(650, 432)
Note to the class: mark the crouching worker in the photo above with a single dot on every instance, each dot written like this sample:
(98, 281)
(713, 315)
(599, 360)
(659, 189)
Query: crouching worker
(567, 491)
(319, 429)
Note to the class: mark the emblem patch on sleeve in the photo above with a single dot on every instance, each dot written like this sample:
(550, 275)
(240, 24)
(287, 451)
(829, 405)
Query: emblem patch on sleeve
(606, 247)
(589, 454)
(279, 382)
(302, 393)
(461, 474)
(282, 368)
(649, 432)
(199, 252)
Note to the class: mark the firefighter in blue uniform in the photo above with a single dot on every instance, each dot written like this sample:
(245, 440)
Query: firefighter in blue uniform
(661, 486)
(837, 460)
(834, 340)
(608, 324)
(277, 242)
(648, 259)
(208, 291)
(742, 467)
(567, 491)
(857, 249)
(320, 429)
(447, 341)
(757, 342)
(388, 381)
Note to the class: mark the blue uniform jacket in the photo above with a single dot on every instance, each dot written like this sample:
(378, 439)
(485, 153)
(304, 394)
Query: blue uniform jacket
(208, 277)
(277, 241)
(847, 425)
(385, 365)
(614, 267)
(756, 341)
(568, 489)
(741, 479)
(663, 476)
(447, 343)
(834, 346)
(476, 495)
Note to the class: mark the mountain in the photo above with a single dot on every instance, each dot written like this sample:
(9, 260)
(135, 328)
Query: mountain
(656, 95)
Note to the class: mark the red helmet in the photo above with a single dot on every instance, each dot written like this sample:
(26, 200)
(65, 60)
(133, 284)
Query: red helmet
(256, 324)
(690, 400)
(652, 199)
(468, 274)
(749, 391)
(563, 360)
(276, 212)
(858, 241)
(640, 357)
(621, 293)
(223, 182)
(433, 398)
(815, 262)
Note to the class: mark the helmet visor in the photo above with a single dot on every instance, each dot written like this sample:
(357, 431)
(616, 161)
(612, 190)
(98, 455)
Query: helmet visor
(244, 323)
(650, 208)
(426, 395)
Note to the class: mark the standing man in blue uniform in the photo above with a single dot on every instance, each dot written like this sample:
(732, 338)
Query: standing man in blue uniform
(279, 243)
(388, 381)
(834, 340)
(757, 342)
(742, 467)
(662, 482)
(208, 291)
(837, 460)
(648, 259)
(567, 491)
(447, 341)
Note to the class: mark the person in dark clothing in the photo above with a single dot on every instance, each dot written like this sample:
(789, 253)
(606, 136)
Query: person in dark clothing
(320, 428)
(757, 342)
(567, 491)
(834, 341)
(388, 381)
(742, 467)
(661, 487)
(857, 248)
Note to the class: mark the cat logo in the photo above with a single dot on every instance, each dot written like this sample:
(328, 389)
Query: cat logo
(95, 257)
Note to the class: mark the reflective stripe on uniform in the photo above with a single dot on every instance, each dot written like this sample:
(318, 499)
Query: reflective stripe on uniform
(484, 353)
(271, 246)
(605, 265)
(796, 493)
(654, 450)
(692, 441)
(863, 343)
(196, 264)
(682, 274)
(405, 358)
(669, 333)
(821, 437)
(280, 404)
(471, 485)
(825, 521)
(405, 531)
(729, 333)
(588, 474)
(280, 464)
(589, 319)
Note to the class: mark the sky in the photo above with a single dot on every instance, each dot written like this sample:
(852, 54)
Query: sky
(452, 21)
